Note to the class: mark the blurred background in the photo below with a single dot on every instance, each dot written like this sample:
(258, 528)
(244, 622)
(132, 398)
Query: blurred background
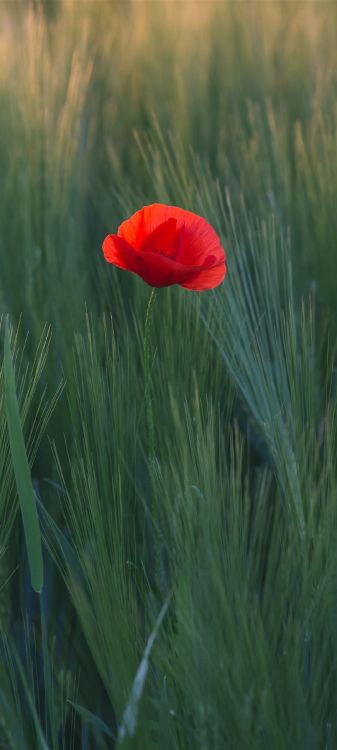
(227, 109)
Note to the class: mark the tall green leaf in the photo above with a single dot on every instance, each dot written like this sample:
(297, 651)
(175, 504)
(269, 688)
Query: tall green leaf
(22, 472)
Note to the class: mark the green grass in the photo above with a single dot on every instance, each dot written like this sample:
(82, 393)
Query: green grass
(189, 596)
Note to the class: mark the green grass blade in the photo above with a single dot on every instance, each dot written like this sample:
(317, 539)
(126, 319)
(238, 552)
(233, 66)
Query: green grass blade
(42, 744)
(22, 473)
(129, 723)
(91, 719)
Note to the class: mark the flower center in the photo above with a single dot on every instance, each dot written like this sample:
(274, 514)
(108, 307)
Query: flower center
(166, 255)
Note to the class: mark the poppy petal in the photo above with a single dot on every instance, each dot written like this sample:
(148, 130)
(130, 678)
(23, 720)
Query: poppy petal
(141, 224)
(162, 238)
(199, 241)
(207, 278)
(120, 253)
(159, 270)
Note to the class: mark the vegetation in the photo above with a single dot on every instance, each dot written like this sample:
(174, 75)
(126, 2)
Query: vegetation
(189, 599)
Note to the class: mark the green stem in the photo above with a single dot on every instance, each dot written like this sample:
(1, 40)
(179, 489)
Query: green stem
(153, 507)
(147, 372)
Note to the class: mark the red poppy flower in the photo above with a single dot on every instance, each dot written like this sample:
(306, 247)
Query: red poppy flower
(167, 245)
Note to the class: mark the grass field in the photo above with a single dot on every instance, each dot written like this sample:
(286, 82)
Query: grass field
(189, 599)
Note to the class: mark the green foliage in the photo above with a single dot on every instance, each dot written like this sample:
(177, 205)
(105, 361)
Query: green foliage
(22, 473)
(228, 528)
